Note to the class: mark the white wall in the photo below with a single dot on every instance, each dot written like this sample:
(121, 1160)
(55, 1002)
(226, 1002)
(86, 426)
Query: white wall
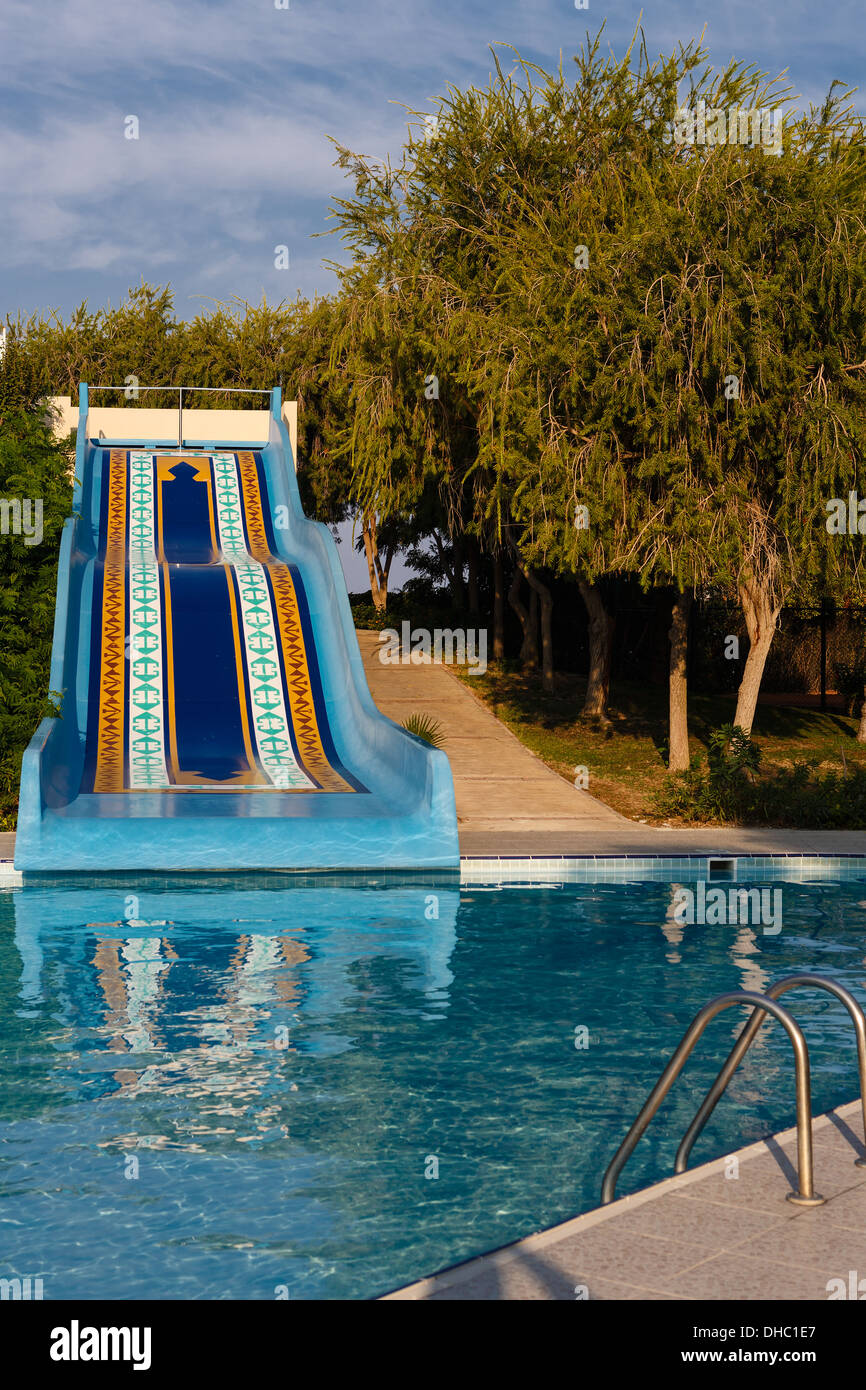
(223, 426)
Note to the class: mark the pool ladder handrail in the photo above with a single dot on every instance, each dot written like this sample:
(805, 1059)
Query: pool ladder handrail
(763, 1004)
(744, 1042)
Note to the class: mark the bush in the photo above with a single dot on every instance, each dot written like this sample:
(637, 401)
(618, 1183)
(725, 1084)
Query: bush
(33, 466)
(717, 787)
(850, 678)
(724, 787)
(800, 796)
(425, 727)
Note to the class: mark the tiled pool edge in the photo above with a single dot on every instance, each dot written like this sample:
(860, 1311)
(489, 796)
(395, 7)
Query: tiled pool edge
(492, 871)
(662, 868)
(476, 1276)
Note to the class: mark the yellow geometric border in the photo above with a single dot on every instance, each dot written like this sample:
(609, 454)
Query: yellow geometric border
(112, 677)
(303, 707)
(109, 773)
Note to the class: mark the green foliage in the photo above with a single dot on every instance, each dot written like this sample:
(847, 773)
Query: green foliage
(725, 787)
(803, 797)
(730, 751)
(424, 726)
(717, 787)
(19, 380)
(850, 680)
(799, 796)
(415, 603)
(34, 466)
(605, 386)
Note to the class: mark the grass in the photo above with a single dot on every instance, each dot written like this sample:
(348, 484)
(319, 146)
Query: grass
(628, 766)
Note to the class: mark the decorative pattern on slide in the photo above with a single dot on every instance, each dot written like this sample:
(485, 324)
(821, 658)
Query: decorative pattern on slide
(147, 765)
(109, 759)
(269, 638)
(304, 720)
(270, 720)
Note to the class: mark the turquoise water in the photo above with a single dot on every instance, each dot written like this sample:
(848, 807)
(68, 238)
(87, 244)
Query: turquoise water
(243, 1089)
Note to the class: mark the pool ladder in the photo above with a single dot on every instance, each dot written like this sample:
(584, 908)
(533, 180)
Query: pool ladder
(805, 1196)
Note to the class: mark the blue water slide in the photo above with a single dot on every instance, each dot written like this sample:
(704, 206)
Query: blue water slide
(214, 710)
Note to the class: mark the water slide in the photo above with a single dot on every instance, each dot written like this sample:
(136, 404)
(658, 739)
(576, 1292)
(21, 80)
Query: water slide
(215, 713)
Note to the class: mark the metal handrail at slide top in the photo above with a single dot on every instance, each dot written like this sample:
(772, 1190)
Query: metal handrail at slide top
(133, 392)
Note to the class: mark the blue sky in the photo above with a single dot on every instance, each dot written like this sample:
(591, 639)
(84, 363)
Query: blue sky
(235, 101)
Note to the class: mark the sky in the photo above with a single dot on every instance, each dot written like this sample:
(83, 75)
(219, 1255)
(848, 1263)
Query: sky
(235, 101)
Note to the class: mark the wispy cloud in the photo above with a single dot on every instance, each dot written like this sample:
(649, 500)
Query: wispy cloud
(236, 99)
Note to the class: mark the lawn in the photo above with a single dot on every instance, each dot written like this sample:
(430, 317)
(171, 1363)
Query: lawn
(627, 766)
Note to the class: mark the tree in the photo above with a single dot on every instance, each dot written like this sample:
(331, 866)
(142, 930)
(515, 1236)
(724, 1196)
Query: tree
(35, 475)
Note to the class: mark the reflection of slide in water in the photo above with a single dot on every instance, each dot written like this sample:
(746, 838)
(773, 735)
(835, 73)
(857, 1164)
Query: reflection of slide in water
(215, 710)
(267, 947)
(130, 974)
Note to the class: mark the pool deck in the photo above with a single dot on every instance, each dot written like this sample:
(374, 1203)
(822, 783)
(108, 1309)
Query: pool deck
(704, 1235)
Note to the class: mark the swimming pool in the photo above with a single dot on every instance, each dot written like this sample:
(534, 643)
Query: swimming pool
(259, 1088)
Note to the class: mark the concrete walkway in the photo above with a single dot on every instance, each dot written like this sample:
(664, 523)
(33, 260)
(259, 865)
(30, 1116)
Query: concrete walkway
(704, 1235)
(510, 803)
(502, 789)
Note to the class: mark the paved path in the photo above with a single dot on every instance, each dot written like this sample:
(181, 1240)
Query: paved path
(502, 789)
(510, 803)
(704, 1235)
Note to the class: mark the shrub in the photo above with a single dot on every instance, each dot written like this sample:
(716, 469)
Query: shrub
(718, 787)
(426, 727)
(34, 466)
(724, 786)
(850, 678)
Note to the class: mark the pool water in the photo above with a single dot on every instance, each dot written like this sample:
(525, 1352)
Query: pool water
(260, 1088)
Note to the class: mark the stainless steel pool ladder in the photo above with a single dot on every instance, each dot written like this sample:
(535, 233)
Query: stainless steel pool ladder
(764, 1004)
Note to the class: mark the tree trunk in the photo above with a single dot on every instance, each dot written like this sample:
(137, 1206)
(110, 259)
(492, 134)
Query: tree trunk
(761, 618)
(529, 649)
(861, 727)
(458, 583)
(498, 608)
(472, 576)
(377, 571)
(678, 759)
(600, 650)
(544, 596)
